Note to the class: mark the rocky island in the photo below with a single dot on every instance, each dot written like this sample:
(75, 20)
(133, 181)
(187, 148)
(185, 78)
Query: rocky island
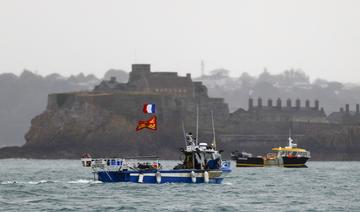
(102, 122)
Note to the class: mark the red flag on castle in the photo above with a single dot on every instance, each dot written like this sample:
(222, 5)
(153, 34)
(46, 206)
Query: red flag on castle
(149, 124)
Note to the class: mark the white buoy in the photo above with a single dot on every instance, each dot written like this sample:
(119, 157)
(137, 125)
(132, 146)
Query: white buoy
(206, 177)
(141, 178)
(193, 177)
(158, 177)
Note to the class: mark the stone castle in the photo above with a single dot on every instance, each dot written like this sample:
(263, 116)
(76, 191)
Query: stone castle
(141, 79)
(103, 121)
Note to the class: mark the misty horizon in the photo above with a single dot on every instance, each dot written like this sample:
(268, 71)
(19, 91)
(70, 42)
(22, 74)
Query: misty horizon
(322, 38)
(100, 75)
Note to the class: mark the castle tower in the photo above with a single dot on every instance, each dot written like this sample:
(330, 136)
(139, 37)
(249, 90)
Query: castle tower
(347, 108)
(288, 103)
(357, 109)
(259, 102)
(278, 103)
(307, 104)
(316, 104)
(140, 68)
(298, 103)
(251, 104)
(270, 104)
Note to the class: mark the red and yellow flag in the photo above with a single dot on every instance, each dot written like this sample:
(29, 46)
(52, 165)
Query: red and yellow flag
(149, 124)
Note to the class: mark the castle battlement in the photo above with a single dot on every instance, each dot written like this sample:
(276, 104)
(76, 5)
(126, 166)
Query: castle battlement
(279, 106)
(346, 116)
(142, 79)
(279, 112)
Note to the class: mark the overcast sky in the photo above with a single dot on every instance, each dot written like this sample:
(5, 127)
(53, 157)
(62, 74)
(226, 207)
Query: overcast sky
(321, 37)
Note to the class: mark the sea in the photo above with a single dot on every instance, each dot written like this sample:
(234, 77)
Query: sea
(64, 185)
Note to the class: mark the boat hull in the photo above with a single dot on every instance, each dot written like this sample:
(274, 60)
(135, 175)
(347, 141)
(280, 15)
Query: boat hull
(167, 176)
(250, 162)
(295, 162)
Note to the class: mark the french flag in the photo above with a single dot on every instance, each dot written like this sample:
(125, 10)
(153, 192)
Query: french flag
(149, 108)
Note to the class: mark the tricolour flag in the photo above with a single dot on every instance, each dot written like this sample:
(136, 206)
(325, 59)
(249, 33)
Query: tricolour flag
(149, 108)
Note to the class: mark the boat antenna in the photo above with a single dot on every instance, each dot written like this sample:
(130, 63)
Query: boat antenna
(213, 128)
(183, 128)
(197, 124)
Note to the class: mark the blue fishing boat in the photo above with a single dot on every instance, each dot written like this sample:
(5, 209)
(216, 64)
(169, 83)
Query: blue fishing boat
(201, 164)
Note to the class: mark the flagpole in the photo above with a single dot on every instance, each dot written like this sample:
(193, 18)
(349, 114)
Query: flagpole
(183, 128)
(213, 128)
(197, 124)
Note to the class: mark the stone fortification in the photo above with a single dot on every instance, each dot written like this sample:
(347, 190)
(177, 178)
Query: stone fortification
(346, 117)
(141, 79)
(279, 113)
(103, 122)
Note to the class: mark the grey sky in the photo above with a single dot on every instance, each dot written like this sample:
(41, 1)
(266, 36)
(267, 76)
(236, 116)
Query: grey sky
(321, 37)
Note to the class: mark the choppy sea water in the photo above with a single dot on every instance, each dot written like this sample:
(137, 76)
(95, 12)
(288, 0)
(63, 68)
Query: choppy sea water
(63, 185)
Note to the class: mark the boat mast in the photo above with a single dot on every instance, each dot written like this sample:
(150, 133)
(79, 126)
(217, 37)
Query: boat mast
(197, 125)
(183, 128)
(213, 128)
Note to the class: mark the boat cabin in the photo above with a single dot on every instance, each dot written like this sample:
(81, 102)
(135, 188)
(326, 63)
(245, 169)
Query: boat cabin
(291, 151)
(202, 156)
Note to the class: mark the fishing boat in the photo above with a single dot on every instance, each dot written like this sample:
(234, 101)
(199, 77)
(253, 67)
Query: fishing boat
(201, 163)
(244, 159)
(289, 156)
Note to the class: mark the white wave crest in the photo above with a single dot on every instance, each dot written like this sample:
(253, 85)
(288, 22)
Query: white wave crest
(39, 182)
(27, 182)
(8, 182)
(82, 181)
(227, 183)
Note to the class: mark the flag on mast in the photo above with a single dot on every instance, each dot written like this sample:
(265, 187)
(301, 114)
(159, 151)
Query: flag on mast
(149, 108)
(149, 124)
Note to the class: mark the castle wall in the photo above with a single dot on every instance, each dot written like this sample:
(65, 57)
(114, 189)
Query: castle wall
(294, 113)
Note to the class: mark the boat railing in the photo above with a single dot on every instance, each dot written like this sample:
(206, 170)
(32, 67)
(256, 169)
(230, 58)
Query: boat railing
(107, 164)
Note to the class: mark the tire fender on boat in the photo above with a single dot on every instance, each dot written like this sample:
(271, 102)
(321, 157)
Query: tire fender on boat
(141, 178)
(206, 177)
(158, 177)
(193, 177)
